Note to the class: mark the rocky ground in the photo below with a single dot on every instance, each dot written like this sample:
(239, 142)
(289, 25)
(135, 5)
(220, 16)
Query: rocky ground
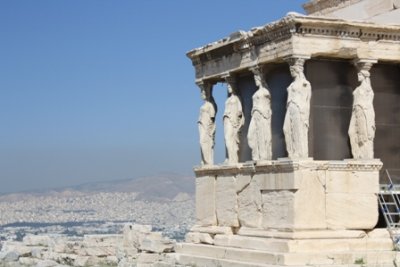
(138, 245)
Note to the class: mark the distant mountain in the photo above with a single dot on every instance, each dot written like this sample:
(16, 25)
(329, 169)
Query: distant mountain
(167, 186)
(163, 186)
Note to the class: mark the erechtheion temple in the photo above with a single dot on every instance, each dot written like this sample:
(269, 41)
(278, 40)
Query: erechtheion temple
(311, 124)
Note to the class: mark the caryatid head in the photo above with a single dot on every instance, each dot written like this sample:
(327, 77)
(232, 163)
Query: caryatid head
(258, 77)
(230, 88)
(362, 75)
(231, 84)
(364, 68)
(297, 67)
(258, 80)
(206, 89)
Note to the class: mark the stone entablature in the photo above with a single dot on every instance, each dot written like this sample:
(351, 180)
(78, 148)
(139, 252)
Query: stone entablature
(296, 35)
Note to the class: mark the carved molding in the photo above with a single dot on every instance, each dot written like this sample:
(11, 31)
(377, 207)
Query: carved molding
(204, 85)
(297, 59)
(229, 78)
(257, 70)
(353, 165)
(364, 64)
(283, 166)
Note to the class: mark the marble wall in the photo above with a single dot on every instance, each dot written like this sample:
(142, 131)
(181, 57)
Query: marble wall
(247, 88)
(278, 79)
(385, 79)
(331, 106)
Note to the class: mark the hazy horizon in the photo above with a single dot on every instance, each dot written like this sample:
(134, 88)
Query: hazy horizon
(102, 90)
(67, 186)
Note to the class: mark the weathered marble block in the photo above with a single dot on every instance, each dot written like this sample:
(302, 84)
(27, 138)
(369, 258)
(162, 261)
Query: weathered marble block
(354, 182)
(205, 201)
(249, 202)
(278, 209)
(293, 200)
(351, 211)
(226, 201)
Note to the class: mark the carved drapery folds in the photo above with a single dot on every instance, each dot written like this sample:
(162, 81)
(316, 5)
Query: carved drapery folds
(233, 121)
(206, 124)
(297, 116)
(259, 135)
(296, 122)
(362, 122)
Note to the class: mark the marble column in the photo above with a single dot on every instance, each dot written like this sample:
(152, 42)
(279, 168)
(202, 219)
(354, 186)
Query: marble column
(362, 122)
(296, 124)
(233, 121)
(259, 135)
(206, 124)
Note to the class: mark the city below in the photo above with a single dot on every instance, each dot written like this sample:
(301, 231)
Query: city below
(104, 209)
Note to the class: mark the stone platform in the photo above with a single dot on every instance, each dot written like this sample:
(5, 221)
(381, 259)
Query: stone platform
(288, 213)
(304, 248)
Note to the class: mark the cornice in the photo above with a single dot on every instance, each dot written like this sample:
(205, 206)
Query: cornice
(294, 25)
(243, 40)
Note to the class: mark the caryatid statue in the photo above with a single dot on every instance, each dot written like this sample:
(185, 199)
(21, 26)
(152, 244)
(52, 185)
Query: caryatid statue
(233, 122)
(296, 124)
(259, 135)
(206, 124)
(362, 122)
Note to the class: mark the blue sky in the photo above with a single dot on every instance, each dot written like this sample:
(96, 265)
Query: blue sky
(99, 90)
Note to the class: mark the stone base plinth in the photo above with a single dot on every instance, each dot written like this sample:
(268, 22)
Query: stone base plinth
(288, 212)
(289, 195)
(308, 248)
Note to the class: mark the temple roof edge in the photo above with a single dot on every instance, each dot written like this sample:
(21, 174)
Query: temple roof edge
(293, 23)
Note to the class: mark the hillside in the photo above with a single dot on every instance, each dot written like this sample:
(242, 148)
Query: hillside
(152, 188)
